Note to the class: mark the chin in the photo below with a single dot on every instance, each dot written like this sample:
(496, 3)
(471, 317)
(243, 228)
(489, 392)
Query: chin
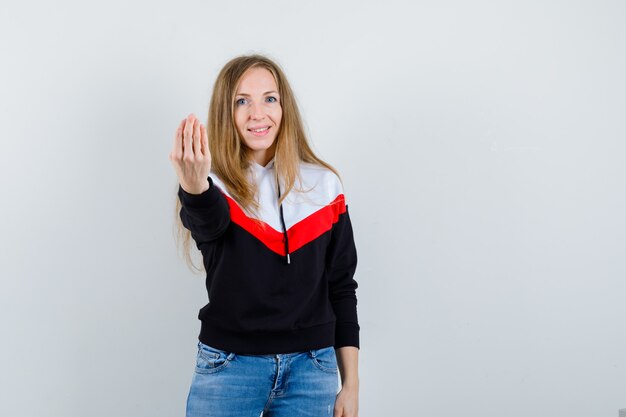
(256, 146)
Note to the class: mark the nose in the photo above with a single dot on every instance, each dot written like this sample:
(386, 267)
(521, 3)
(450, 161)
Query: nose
(256, 111)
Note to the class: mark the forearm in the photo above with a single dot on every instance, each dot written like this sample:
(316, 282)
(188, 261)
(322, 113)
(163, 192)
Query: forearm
(206, 215)
(348, 362)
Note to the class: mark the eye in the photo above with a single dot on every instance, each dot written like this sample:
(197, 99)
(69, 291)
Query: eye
(274, 98)
(237, 101)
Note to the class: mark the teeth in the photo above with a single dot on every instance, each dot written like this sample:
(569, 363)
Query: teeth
(260, 130)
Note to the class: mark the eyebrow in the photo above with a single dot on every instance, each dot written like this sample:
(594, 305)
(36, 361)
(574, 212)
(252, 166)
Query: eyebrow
(248, 95)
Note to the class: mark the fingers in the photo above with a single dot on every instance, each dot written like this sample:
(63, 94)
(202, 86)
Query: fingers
(196, 139)
(188, 138)
(204, 140)
(177, 148)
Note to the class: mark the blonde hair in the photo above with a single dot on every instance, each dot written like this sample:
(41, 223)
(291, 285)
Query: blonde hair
(230, 158)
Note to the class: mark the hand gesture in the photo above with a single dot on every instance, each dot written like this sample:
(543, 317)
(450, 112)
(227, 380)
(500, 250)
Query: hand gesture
(190, 155)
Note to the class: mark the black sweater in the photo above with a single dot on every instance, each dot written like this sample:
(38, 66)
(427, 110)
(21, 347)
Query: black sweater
(282, 285)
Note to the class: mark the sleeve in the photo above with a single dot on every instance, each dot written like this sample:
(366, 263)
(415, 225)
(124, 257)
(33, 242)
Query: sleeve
(341, 265)
(206, 215)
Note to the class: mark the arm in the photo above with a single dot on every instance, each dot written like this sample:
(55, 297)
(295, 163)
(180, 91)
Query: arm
(341, 265)
(347, 401)
(348, 362)
(206, 215)
(342, 287)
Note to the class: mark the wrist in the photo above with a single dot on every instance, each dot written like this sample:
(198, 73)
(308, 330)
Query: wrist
(196, 190)
(352, 383)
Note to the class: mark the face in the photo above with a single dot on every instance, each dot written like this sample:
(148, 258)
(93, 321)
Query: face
(258, 113)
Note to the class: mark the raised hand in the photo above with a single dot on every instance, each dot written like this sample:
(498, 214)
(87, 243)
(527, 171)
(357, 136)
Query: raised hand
(190, 155)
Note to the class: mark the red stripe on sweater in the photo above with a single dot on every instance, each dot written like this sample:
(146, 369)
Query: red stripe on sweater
(301, 233)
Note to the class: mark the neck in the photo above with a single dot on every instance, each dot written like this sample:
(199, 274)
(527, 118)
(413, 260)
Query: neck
(262, 157)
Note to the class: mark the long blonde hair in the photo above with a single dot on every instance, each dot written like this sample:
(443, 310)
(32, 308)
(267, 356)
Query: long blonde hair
(230, 158)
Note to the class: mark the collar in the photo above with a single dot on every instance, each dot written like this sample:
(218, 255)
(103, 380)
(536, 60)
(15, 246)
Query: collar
(261, 168)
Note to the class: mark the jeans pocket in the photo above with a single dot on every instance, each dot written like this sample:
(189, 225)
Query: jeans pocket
(211, 360)
(325, 359)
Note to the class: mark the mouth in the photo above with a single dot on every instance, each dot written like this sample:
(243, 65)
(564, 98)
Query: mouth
(260, 131)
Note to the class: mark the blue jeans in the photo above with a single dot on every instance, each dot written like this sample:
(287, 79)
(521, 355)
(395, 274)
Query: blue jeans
(277, 385)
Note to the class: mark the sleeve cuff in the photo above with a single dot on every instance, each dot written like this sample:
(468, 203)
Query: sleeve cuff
(347, 326)
(347, 335)
(206, 199)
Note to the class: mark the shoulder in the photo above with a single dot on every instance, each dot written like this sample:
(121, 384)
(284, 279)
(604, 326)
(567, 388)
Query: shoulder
(318, 176)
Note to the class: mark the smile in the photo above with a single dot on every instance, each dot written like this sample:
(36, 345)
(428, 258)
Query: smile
(260, 132)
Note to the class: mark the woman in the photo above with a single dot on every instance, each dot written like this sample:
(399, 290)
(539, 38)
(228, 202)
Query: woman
(271, 222)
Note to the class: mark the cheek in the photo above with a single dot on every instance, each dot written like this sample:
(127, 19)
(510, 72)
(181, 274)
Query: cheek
(239, 123)
(278, 116)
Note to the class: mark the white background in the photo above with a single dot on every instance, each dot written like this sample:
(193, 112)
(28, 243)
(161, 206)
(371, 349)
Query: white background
(482, 147)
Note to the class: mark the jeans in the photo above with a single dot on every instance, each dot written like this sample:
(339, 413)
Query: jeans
(278, 385)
